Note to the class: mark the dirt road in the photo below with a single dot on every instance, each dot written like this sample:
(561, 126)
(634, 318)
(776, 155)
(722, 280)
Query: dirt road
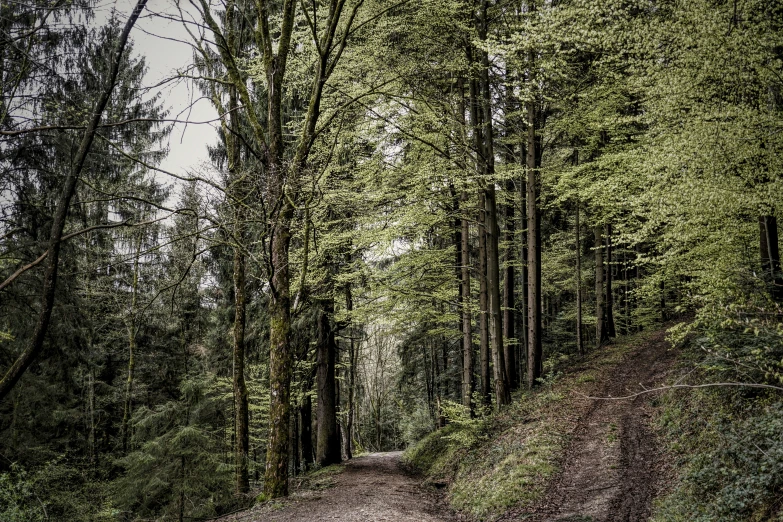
(373, 488)
(611, 470)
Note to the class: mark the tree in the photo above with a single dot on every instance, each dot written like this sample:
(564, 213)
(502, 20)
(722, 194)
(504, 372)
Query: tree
(58, 224)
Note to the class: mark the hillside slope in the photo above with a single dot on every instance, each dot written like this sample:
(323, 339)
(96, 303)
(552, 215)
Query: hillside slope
(557, 454)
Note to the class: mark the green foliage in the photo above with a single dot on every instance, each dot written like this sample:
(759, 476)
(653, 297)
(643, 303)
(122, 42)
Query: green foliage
(729, 457)
(18, 498)
(57, 490)
(742, 340)
(179, 464)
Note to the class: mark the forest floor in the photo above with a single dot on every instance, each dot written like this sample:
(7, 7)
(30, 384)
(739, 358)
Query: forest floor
(374, 487)
(613, 467)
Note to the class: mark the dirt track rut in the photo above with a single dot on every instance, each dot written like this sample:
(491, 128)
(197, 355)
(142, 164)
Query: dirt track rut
(612, 467)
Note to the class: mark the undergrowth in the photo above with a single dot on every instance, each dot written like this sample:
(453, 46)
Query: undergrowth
(727, 446)
(499, 461)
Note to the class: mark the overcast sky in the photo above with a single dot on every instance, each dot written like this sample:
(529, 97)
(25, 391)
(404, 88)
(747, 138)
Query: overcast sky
(155, 38)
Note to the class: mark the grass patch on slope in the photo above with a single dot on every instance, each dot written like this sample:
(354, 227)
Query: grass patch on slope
(507, 459)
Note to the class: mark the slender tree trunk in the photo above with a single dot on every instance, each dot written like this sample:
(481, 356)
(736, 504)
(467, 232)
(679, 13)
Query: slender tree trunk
(241, 400)
(627, 295)
(128, 405)
(509, 295)
(662, 288)
(491, 229)
(91, 405)
(610, 327)
(534, 347)
(478, 144)
(467, 334)
(328, 439)
(600, 330)
(484, 307)
(241, 422)
(21, 364)
(351, 375)
(502, 391)
(579, 343)
(523, 355)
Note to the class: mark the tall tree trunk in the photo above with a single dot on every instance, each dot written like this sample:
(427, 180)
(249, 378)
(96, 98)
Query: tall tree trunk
(328, 439)
(610, 327)
(523, 345)
(241, 400)
(534, 347)
(467, 334)
(21, 364)
(280, 360)
(579, 343)
(502, 391)
(351, 375)
(128, 404)
(509, 295)
(600, 314)
(492, 228)
(241, 421)
(478, 145)
(483, 307)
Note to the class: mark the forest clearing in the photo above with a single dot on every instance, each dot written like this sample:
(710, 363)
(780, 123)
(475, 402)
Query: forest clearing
(401, 260)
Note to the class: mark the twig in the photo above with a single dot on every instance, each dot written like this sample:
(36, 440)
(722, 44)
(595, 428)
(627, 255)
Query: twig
(686, 386)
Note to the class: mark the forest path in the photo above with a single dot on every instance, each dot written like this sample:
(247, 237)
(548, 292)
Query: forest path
(613, 465)
(374, 488)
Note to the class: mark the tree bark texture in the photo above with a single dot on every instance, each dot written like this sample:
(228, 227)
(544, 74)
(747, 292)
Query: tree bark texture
(467, 333)
(610, 326)
(534, 347)
(328, 439)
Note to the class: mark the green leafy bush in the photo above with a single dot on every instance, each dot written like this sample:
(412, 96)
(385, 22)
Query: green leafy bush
(18, 497)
